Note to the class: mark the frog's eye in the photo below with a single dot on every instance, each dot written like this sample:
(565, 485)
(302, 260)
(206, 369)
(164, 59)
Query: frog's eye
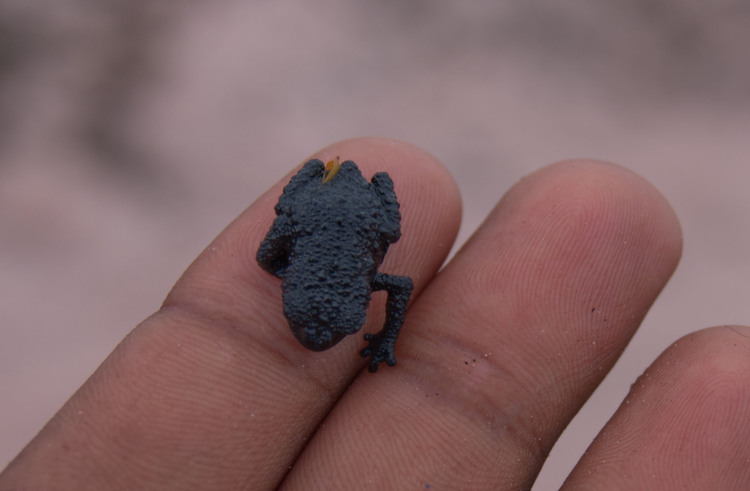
(331, 169)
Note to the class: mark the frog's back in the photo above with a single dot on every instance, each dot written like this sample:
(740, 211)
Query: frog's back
(334, 255)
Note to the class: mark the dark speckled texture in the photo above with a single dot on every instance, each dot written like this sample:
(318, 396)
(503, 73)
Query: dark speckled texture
(326, 245)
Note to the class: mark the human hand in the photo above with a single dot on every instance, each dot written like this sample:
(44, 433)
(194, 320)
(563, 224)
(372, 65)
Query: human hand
(499, 351)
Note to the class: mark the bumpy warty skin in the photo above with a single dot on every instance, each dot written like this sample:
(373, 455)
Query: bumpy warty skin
(326, 244)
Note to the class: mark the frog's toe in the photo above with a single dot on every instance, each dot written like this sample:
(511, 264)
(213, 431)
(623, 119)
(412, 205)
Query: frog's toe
(386, 358)
(365, 352)
(379, 350)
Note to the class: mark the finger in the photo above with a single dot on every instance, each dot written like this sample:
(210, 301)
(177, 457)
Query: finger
(684, 424)
(214, 392)
(509, 340)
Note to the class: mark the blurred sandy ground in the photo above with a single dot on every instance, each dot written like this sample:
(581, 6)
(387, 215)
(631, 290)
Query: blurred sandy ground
(131, 132)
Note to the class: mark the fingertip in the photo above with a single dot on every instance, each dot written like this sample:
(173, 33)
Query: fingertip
(712, 364)
(609, 194)
(683, 424)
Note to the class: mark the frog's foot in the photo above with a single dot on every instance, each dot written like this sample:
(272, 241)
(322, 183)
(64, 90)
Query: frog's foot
(380, 348)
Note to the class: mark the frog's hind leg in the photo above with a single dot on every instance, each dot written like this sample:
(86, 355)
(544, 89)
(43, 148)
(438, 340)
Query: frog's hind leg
(381, 346)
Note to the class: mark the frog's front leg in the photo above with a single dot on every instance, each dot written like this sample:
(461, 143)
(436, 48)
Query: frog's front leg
(273, 253)
(382, 345)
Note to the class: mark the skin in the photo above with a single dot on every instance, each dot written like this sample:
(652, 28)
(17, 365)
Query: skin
(499, 350)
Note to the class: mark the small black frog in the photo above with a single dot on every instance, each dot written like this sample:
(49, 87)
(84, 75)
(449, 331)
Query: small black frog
(330, 235)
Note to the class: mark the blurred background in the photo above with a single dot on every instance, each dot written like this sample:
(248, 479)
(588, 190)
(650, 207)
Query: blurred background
(132, 131)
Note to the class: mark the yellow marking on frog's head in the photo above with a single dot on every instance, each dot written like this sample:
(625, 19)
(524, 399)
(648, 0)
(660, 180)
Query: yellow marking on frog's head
(331, 169)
